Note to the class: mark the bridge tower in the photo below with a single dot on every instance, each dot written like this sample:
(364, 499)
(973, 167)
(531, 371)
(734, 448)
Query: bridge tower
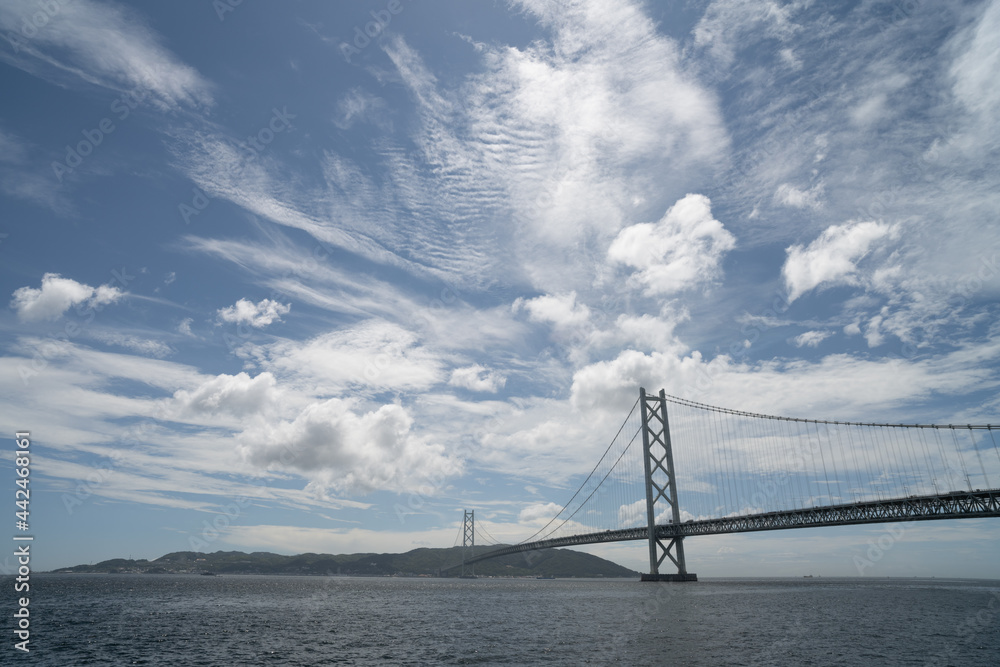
(469, 540)
(658, 463)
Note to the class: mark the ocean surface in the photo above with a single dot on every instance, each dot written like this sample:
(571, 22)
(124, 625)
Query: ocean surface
(271, 620)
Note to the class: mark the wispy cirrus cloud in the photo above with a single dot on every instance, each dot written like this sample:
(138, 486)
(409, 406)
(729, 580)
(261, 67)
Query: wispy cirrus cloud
(514, 167)
(144, 346)
(855, 136)
(103, 44)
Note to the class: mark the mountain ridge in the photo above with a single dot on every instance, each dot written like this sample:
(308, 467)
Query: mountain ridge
(416, 562)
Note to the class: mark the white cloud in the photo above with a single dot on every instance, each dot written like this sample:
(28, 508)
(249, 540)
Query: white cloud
(684, 249)
(534, 146)
(973, 74)
(789, 195)
(645, 332)
(842, 384)
(538, 513)
(811, 338)
(873, 331)
(832, 258)
(477, 378)
(338, 448)
(575, 164)
(790, 59)
(237, 395)
(104, 44)
(360, 105)
(371, 354)
(560, 310)
(257, 315)
(57, 295)
(632, 514)
(185, 327)
(724, 27)
(143, 346)
(871, 110)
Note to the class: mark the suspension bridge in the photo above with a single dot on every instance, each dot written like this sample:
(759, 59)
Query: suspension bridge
(741, 472)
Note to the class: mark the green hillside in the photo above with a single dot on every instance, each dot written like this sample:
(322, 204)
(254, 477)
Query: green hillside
(426, 562)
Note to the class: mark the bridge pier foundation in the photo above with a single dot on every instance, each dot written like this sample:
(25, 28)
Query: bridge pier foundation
(687, 576)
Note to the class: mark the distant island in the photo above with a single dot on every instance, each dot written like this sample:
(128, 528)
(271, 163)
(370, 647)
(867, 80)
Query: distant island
(417, 563)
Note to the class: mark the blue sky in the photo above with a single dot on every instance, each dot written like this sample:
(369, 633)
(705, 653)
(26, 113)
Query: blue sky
(327, 290)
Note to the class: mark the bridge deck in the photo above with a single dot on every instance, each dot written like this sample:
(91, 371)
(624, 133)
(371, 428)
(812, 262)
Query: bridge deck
(956, 505)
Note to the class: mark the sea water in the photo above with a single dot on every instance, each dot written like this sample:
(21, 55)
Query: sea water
(273, 620)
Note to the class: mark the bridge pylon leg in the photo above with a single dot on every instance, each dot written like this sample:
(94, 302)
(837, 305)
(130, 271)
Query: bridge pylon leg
(658, 464)
(469, 540)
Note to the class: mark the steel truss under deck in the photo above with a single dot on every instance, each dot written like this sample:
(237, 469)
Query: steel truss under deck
(955, 505)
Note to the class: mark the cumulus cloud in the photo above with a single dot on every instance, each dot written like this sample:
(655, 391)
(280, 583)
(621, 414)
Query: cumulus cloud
(684, 249)
(632, 514)
(646, 332)
(257, 315)
(57, 295)
(236, 395)
(477, 378)
(185, 327)
(832, 258)
(811, 338)
(338, 448)
(538, 513)
(560, 310)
